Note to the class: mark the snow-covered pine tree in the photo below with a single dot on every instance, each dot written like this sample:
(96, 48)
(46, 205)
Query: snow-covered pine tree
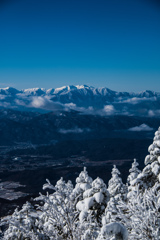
(151, 173)
(94, 201)
(110, 212)
(142, 214)
(134, 171)
(58, 218)
(91, 209)
(22, 225)
(83, 182)
(117, 191)
(142, 218)
(116, 188)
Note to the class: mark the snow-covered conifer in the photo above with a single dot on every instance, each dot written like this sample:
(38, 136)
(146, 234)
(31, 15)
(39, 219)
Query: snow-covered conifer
(110, 212)
(134, 171)
(94, 200)
(142, 217)
(22, 225)
(58, 218)
(116, 188)
(151, 173)
(83, 182)
(154, 149)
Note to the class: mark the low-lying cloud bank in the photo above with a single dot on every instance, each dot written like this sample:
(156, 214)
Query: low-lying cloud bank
(136, 100)
(142, 127)
(74, 130)
(34, 102)
(46, 103)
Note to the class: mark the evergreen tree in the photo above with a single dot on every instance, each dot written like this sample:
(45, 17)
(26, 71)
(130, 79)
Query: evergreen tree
(110, 212)
(58, 218)
(151, 173)
(83, 182)
(116, 188)
(22, 225)
(142, 218)
(94, 200)
(134, 171)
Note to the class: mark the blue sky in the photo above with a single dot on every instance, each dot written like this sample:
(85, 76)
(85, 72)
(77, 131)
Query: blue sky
(100, 43)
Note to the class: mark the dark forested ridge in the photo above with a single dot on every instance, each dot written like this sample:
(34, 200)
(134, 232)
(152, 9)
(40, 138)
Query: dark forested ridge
(35, 128)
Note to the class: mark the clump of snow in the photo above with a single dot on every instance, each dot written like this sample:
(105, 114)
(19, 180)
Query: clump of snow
(115, 229)
(85, 204)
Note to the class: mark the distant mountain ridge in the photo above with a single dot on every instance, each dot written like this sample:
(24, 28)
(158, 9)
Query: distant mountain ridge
(83, 98)
(83, 89)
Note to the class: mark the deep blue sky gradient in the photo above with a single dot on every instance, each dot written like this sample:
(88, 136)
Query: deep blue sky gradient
(48, 43)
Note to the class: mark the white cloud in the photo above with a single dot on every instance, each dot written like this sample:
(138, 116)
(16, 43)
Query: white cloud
(2, 97)
(154, 113)
(70, 105)
(5, 104)
(73, 130)
(45, 103)
(142, 127)
(151, 113)
(109, 109)
(83, 110)
(20, 102)
(136, 100)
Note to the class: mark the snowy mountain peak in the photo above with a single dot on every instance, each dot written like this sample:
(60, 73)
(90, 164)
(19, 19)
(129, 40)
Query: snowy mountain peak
(66, 89)
(147, 94)
(34, 91)
(58, 90)
(9, 90)
(50, 91)
(83, 86)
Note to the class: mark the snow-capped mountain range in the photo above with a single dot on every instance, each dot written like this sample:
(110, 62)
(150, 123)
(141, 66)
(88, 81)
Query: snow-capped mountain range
(79, 89)
(83, 98)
